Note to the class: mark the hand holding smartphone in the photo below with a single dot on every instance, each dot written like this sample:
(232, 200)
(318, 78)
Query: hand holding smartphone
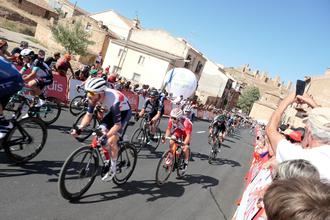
(300, 87)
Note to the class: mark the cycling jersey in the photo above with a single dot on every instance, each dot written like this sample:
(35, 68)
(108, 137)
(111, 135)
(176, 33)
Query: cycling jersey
(180, 129)
(44, 76)
(10, 81)
(156, 105)
(219, 124)
(116, 107)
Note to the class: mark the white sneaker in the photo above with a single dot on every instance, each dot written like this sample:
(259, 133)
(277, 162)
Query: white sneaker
(5, 128)
(26, 115)
(40, 103)
(109, 176)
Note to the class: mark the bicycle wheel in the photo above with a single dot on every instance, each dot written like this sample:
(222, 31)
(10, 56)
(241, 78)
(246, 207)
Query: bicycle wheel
(127, 157)
(88, 131)
(138, 139)
(78, 173)
(50, 112)
(26, 140)
(155, 141)
(164, 168)
(77, 105)
(181, 159)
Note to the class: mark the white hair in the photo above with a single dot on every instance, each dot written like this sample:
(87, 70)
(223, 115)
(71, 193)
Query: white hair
(320, 134)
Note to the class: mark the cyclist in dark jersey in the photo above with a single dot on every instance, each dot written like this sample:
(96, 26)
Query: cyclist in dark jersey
(40, 74)
(10, 82)
(156, 102)
(218, 126)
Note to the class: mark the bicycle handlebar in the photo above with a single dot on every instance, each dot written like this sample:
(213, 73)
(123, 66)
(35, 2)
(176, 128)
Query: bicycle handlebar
(175, 140)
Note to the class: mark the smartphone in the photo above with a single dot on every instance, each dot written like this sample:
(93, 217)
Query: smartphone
(300, 87)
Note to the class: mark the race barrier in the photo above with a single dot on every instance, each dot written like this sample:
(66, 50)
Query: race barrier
(257, 180)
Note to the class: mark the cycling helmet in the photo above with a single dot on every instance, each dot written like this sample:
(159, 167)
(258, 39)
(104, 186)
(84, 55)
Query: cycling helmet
(153, 93)
(95, 85)
(187, 109)
(176, 113)
(27, 53)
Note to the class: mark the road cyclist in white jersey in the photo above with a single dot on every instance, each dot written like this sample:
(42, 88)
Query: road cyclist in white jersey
(117, 115)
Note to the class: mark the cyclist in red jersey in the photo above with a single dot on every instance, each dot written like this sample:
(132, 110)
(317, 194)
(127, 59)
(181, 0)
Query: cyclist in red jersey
(180, 127)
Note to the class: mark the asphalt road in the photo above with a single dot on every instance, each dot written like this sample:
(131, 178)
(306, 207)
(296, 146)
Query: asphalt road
(207, 192)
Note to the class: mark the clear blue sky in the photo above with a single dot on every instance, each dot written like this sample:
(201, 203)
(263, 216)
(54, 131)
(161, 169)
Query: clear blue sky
(290, 38)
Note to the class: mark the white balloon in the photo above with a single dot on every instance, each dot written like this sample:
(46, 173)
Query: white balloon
(180, 81)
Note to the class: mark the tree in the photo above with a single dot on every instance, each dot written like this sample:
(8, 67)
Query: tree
(73, 38)
(246, 100)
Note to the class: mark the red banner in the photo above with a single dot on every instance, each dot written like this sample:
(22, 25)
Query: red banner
(133, 99)
(58, 89)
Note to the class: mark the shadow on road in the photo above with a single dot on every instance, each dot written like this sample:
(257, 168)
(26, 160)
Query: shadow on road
(217, 161)
(150, 189)
(51, 168)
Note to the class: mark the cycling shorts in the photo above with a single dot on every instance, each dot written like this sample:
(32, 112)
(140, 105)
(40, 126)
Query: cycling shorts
(108, 121)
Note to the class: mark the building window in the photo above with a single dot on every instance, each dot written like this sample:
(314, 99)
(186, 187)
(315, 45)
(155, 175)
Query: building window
(136, 77)
(20, 1)
(65, 14)
(121, 52)
(116, 69)
(88, 27)
(186, 64)
(141, 60)
(198, 67)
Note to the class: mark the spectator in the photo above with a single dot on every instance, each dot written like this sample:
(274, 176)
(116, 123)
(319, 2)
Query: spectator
(297, 199)
(315, 146)
(51, 61)
(17, 50)
(99, 59)
(296, 168)
(3, 49)
(63, 64)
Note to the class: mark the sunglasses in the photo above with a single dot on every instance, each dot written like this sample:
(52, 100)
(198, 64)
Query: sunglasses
(91, 94)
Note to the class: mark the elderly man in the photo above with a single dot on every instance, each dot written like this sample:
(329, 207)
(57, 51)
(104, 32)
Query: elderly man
(315, 146)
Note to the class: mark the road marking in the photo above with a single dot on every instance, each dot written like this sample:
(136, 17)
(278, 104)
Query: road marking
(200, 132)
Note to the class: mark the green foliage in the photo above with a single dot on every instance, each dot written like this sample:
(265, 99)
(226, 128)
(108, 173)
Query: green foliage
(246, 100)
(72, 37)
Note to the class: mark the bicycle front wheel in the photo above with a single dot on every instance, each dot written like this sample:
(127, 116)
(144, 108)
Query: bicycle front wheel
(127, 157)
(164, 168)
(26, 140)
(51, 111)
(138, 139)
(78, 173)
(77, 105)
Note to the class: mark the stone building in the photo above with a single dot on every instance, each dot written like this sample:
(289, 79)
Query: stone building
(36, 7)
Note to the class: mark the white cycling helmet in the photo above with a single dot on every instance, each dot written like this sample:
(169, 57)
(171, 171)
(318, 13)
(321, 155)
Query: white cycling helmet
(176, 113)
(187, 109)
(27, 52)
(96, 85)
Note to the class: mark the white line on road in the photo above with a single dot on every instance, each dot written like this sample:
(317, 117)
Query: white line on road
(200, 132)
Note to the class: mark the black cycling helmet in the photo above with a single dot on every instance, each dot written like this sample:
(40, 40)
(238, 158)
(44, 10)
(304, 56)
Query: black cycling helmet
(153, 93)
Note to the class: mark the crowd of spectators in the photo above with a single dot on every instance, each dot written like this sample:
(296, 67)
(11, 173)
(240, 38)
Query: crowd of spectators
(299, 161)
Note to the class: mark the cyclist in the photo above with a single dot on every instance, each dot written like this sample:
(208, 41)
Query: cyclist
(10, 82)
(187, 110)
(218, 127)
(117, 114)
(40, 75)
(157, 110)
(180, 127)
